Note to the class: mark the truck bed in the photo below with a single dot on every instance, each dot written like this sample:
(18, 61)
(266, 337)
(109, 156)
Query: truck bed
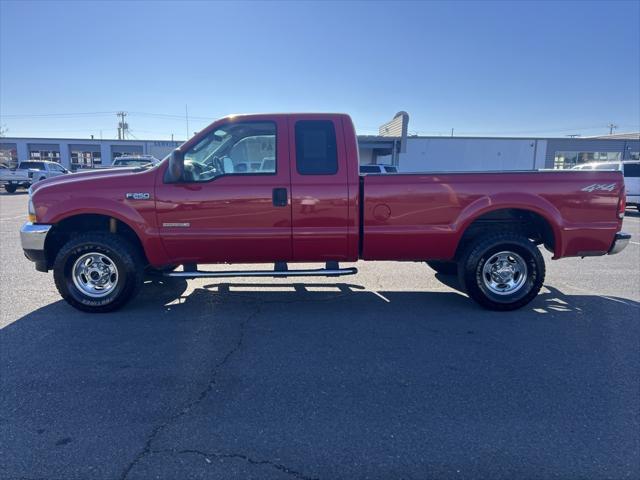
(420, 216)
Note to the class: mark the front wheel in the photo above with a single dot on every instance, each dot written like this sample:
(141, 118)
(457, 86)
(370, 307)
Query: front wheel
(10, 188)
(98, 272)
(502, 271)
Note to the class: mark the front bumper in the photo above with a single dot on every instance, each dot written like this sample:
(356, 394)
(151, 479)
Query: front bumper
(32, 238)
(620, 242)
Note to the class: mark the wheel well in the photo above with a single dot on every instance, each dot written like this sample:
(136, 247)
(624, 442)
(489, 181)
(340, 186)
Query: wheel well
(65, 229)
(526, 222)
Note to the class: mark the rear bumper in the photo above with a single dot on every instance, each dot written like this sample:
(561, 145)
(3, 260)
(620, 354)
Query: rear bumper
(620, 242)
(32, 238)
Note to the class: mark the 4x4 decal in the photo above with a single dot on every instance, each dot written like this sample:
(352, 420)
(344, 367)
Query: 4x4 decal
(603, 187)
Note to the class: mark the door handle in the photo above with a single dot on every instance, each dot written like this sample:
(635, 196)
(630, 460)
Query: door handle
(280, 197)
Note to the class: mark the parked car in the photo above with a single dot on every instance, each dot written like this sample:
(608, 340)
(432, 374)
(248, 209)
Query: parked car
(29, 172)
(134, 161)
(378, 169)
(99, 231)
(631, 173)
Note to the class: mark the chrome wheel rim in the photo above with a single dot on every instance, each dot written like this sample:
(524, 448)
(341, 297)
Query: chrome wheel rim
(504, 273)
(95, 274)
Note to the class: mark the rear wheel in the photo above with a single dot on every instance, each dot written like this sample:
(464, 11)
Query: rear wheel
(10, 188)
(98, 272)
(445, 268)
(502, 271)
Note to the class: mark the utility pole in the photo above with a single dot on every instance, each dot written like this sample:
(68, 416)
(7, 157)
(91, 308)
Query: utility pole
(452, 132)
(123, 127)
(186, 116)
(612, 127)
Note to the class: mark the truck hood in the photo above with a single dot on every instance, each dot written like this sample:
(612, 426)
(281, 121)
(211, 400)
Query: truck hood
(75, 178)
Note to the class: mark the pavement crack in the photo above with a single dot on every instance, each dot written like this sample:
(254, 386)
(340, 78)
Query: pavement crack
(216, 455)
(188, 406)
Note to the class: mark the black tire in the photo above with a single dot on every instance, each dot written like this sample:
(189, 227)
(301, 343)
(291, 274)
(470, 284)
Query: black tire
(483, 250)
(445, 268)
(125, 257)
(10, 188)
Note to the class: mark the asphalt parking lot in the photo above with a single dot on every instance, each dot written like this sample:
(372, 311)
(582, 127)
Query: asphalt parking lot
(386, 374)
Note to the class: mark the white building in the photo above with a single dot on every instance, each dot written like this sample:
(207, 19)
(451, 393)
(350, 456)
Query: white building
(392, 146)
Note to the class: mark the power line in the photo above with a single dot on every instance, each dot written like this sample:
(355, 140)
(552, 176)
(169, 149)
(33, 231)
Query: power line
(36, 115)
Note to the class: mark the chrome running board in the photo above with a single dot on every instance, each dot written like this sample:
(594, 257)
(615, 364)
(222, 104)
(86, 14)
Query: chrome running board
(280, 270)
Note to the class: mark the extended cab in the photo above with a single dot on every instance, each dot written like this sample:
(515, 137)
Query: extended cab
(285, 188)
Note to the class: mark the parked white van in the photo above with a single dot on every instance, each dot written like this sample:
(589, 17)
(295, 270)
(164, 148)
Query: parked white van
(630, 170)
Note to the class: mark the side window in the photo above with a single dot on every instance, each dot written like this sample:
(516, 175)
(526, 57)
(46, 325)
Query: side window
(316, 149)
(239, 148)
(632, 170)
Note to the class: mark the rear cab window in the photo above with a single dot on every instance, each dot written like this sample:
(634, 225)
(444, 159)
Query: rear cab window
(316, 147)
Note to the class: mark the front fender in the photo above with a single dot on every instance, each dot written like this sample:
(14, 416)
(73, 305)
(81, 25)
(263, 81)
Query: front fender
(140, 219)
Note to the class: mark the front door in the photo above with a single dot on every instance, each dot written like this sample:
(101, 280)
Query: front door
(233, 202)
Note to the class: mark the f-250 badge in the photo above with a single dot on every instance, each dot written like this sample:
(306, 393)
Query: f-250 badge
(137, 196)
(600, 186)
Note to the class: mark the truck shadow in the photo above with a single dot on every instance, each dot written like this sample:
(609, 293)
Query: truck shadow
(170, 293)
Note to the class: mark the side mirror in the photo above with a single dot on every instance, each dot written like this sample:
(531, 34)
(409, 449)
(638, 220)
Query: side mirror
(175, 171)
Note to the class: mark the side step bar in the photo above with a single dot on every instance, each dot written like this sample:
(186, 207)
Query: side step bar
(332, 269)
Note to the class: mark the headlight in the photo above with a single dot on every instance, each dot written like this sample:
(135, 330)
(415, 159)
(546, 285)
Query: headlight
(31, 210)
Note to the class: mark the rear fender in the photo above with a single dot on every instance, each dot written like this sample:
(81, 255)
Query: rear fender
(520, 201)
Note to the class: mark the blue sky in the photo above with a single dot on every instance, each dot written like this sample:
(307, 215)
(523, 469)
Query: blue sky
(483, 68)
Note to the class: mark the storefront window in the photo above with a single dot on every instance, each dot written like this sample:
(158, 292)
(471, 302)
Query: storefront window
(125, 150)
(41, 152)
(85, 156)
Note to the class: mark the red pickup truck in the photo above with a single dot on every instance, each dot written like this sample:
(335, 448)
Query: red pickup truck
(285, 188)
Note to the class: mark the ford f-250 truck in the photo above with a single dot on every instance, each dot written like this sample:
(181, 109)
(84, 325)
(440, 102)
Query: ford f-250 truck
(285, 188)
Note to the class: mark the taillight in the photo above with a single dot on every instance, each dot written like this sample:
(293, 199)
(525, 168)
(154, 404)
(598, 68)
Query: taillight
(622, 203)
